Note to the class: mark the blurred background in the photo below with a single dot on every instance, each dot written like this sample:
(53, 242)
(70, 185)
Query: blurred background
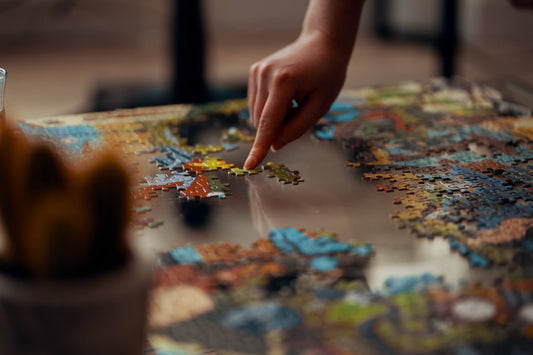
(71, 56)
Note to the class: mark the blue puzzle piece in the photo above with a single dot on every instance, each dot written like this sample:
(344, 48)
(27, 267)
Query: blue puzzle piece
(410, 283)
(185, 255)
(324, 263)
(290, 239)
(229, 147)
(326, 132)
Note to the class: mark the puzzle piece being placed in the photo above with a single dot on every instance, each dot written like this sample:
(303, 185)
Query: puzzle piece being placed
(242, 172)
(282, 173)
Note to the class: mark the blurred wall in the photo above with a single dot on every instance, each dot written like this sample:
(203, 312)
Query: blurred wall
(254, 17)
(68, 20)
(142, 20)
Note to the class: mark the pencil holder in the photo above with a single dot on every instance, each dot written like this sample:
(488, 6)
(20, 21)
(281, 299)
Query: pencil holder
(102, 315)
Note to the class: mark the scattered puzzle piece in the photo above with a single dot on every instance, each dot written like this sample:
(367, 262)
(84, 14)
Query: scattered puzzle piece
(283, 174)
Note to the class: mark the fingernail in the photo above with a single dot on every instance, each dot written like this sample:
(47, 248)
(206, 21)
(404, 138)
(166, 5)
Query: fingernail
(248, 163)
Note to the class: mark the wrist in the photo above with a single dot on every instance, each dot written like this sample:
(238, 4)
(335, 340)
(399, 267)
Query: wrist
(335, 47)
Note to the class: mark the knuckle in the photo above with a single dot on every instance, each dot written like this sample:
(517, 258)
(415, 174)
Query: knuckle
(254, 68)
(265, 68)
(282, 76)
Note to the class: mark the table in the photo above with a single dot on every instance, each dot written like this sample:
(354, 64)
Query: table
(430, 136)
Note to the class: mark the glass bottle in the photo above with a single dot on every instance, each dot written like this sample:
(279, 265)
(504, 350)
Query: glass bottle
(3, 77)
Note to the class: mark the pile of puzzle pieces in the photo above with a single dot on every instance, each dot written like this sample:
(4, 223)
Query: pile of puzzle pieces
(459, 156)
(273, 298)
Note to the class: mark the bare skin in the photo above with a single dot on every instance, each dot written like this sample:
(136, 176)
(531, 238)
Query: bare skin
(311, 71)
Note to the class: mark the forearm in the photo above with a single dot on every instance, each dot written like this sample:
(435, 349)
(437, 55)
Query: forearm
(336, 21)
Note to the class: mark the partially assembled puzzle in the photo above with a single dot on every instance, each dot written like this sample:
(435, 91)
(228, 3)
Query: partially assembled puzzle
(456, 156)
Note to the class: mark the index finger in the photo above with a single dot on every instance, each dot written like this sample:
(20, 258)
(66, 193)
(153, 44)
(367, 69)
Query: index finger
(276, 108)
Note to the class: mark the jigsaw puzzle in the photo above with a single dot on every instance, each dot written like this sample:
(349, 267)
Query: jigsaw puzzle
(463, 165)
(459, 152)
(456, 158)
(272, 298)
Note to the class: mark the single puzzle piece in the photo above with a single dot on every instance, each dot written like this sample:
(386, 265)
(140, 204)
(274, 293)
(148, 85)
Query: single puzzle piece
(142, 209)
(242, 172)
(139, 223)
(283, 174)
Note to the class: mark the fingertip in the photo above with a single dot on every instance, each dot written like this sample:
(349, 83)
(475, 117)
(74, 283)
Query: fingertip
(250, 162)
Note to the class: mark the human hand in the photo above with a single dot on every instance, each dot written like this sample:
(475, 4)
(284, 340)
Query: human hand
(310, 71)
